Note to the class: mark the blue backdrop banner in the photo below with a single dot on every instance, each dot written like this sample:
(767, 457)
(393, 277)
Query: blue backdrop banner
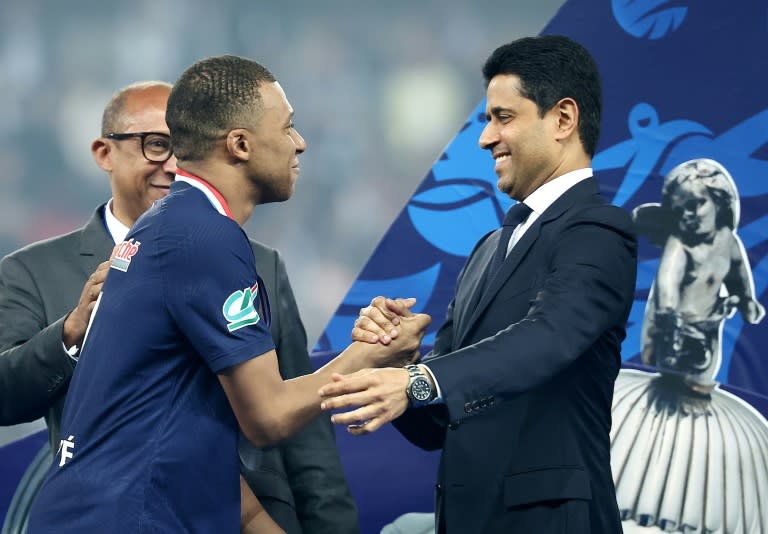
(685, 129)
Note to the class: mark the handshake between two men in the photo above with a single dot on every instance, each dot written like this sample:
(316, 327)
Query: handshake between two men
(375, 397)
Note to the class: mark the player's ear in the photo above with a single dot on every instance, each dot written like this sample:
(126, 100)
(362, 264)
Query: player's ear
(238, 144)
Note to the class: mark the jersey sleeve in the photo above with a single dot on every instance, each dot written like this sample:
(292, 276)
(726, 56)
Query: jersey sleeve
(214, 294)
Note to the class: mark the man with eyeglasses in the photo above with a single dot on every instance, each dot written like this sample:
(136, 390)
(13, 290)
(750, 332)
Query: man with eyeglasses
(48, 291)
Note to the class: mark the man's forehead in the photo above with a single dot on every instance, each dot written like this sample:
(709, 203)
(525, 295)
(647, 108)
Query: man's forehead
(503, 90)
(151, 118)
(145, 96)
(145, 110)
(504, 83)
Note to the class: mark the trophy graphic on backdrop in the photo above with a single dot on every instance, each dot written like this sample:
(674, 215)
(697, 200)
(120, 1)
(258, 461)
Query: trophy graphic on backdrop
(686, 455)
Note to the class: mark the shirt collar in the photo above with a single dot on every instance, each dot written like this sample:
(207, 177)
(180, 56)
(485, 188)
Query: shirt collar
(546, 194)
(116, 229)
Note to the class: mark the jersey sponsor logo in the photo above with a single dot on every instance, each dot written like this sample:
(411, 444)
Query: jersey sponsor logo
(239, 309)
(124, 252)
(65, 446)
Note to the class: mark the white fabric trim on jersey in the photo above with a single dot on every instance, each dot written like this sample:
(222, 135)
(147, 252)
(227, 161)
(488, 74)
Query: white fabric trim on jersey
(207, 192)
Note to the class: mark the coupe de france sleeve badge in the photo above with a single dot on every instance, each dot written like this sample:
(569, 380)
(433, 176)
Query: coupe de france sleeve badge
(239, 309)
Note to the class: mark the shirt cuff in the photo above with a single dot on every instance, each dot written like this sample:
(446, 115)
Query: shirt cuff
(73, 351)
(439, 398)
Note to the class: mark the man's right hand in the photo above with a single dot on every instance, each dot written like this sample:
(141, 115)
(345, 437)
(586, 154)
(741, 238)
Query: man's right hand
(77, 321)
(404, 348)
(378, 321)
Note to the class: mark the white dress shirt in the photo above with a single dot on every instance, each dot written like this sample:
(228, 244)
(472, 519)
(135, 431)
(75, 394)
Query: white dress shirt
(116, 229)
(544, 197)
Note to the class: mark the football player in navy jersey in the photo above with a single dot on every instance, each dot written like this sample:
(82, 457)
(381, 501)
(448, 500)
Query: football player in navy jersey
(178, 353)
(45, 312)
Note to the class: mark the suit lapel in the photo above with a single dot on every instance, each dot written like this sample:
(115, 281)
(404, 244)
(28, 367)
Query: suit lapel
(484, 297)
(95, 243)
(479, 300)
(472, 284)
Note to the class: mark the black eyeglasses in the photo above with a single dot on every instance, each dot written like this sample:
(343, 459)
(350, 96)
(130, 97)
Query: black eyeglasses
(155, 146)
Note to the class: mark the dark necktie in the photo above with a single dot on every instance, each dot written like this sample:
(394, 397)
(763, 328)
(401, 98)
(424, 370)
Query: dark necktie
(516, 214)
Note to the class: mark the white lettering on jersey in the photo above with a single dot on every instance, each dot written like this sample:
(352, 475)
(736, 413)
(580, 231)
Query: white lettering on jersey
(64, 447)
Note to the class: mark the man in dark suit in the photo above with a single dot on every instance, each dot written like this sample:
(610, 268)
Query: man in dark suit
(517, 390)
(48, 289)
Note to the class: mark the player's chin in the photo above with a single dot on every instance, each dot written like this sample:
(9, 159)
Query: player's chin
(288, 194)
(291, 186)
(280, 195)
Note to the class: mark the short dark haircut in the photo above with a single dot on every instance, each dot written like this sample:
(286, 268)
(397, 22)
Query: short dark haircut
(211, 97)
(550, 68)
(112, 120)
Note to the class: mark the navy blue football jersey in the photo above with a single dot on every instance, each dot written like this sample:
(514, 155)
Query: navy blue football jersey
(149, 438)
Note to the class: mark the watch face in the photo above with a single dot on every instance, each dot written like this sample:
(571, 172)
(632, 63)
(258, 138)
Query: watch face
(420, 389)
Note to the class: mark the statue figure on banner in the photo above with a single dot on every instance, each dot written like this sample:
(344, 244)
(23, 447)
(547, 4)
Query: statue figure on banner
(687, 456)
(703, 275)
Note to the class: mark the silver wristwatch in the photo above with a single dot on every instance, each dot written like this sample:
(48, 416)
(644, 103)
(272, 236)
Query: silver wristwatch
(419, 390)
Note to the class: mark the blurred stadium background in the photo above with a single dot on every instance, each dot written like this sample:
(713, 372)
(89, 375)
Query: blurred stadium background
(379, 89)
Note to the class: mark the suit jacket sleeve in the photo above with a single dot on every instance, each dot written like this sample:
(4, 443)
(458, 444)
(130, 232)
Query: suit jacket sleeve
(588, 284)
(311, 459)
(426, 427)
(34, 368)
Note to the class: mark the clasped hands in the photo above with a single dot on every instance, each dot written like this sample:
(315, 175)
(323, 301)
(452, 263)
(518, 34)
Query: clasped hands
(375, 397)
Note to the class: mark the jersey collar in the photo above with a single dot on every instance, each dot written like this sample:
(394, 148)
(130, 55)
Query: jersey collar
(213, 195)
